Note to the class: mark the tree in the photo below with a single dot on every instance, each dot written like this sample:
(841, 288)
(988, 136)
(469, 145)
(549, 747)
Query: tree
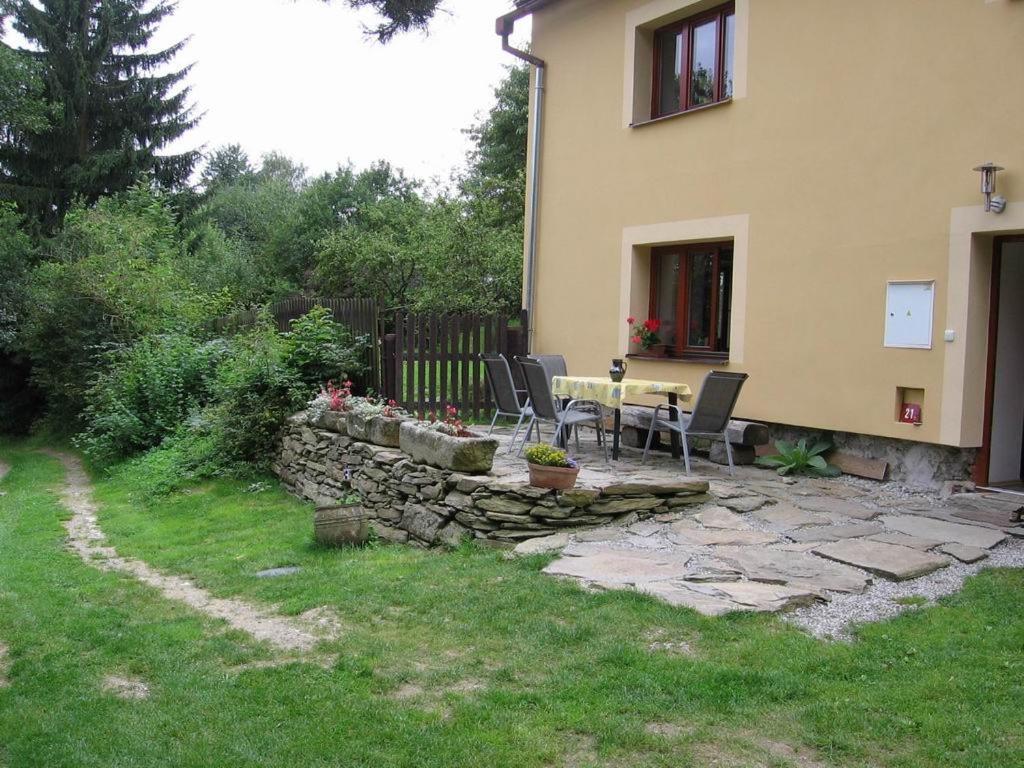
(111, 276)
(21, 94)
(497, 162)
(378, 255)
(225, 166)
(118, 105)
(398, 15)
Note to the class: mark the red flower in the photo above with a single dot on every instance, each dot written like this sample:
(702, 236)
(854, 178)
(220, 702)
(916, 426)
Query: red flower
(636, 339)
(652, 325)
(630, 319)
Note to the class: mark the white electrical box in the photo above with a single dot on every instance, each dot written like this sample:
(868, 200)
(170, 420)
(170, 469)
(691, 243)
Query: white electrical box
(909, 306)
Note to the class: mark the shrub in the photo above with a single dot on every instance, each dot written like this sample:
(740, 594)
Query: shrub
(318, 349)
(112, 276)
(145, 392)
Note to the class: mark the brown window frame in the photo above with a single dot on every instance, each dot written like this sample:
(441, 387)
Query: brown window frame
(686, 27)
(681, 348)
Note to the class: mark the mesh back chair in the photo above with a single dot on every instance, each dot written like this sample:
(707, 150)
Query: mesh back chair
(710, 417)
(572, 415)
(506, 396)
(554, 365)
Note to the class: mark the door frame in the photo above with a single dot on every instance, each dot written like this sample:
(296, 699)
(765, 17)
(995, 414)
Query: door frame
(983, 462)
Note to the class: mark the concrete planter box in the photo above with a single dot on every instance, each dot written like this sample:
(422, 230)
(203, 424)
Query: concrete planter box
(460, 454)
(332, 421)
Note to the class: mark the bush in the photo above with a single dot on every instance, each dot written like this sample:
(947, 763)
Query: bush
(253, 392)
(145, 393)
(318, 350)
(112, 277)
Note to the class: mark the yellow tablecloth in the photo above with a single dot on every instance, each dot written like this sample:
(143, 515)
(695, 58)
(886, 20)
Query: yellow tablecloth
(613, 394)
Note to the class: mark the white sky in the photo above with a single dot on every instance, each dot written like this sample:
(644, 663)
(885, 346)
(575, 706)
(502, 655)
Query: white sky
(300, 77)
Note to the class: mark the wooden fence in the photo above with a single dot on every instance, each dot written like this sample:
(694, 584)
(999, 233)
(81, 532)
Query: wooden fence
(359, 315)
(431, 360)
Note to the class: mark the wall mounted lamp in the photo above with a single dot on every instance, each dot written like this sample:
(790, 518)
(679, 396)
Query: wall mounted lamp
(993, 202)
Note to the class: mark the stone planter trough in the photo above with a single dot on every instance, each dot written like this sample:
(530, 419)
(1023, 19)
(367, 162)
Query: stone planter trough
(461, 454)
(385, 431)
(359, 427)
(332, 421)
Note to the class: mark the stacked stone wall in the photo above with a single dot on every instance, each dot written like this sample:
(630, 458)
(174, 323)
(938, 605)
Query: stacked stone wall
(424, 505)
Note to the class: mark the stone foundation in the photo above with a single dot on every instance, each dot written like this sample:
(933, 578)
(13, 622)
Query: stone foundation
(420, 504)
(921, 465)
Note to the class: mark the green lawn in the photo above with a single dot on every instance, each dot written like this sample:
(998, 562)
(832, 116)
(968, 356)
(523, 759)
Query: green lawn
(457, 659)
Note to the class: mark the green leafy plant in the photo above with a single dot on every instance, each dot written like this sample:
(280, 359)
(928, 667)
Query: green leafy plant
(799, 459)
(548, 456)
(318, 349)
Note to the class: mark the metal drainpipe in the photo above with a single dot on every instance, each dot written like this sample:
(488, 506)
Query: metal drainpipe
(536, 119)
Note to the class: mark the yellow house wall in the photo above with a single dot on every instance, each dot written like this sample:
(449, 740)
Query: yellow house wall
(844, 162)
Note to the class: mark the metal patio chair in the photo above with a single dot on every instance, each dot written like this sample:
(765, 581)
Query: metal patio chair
(569, 416)
(710, 417)
(506, 396)
(554, 365)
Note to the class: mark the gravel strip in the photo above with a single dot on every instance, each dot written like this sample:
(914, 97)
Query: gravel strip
(836, 620)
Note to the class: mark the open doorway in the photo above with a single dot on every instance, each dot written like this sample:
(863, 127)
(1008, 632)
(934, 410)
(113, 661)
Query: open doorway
(1004, 407)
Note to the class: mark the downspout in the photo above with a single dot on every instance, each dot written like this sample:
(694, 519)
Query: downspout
(504, 27)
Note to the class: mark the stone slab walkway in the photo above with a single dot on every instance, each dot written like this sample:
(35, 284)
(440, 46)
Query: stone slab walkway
(764, 543)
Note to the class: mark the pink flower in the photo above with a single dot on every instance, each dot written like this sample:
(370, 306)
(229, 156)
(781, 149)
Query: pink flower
(636, 339)
(630, 319)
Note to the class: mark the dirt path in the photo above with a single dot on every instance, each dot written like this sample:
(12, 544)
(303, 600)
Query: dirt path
(298, 634)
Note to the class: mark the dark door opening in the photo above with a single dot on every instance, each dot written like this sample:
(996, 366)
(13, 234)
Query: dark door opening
(1001, 463)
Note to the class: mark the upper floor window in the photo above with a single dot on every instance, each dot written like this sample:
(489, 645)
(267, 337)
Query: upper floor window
(691, 294)
(693, 61)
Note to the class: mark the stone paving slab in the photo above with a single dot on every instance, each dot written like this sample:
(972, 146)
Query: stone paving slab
(705, 537)
(914, 542)
(889, 560)
(622, 567)
(964, 553)
(744, 503)
(717, 598)
(835, 532)
(719, 517)
(832, 506)
(786, 517)
(798, 569)
(946, 532)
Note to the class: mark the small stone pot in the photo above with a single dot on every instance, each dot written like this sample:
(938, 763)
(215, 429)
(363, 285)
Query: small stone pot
(557, 478)
(341, 525)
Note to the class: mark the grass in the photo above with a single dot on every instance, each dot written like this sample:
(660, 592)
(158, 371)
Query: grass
(457, 659)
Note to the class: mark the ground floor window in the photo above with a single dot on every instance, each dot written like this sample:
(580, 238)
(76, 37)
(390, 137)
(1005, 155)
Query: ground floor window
(691, 294)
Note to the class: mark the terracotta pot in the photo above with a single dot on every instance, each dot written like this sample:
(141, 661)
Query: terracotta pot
(340, 525)
(558, 478)
(658, 350)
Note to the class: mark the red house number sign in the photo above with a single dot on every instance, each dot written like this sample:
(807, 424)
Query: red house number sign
(911, 413)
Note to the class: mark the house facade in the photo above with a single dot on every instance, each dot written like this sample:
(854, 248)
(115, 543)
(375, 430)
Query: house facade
(789, 188)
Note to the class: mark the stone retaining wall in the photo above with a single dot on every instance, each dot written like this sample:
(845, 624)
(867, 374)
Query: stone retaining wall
(423, 505)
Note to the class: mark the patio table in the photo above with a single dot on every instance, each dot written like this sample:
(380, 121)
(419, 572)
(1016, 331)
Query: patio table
(613, 394)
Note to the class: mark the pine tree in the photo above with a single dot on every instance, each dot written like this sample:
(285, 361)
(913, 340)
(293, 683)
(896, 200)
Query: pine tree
(116, 105)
